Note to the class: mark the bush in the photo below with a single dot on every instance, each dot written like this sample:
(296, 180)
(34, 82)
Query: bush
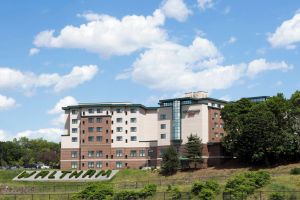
(206, 190)
(26, 174)
(244, 184)
(95, 191)
(64, 173)
(75, 174)
(148, 191)
(295, 171)
(52, 175)
(42, 174)
(276, 196)
(89, 173)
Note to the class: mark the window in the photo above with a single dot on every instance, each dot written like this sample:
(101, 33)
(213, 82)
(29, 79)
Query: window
(133, 138)
(162, 117)
(118, 110)
(221, 125)
(90, 164)
(91, 120)
(91, 138)
(74, 154)
(74, 165)
(119, 138)
(90, 153)
(132, 110)
(74, 112)
(91, 111)
(99, 138)
(221, 135)
(74, 130)
(99, 110)
(99, 153)
(119, 164)
(132, 129)
(163, 136)
(216, 125)
(119, 120)
(142, 153)
(98, 120)
(132, 120)
(133, 153)
(186, 102)
(91, 129)
(163, 126)
(216, 135)
(83, 131)
(74, 139)
(119, 153)
(99, 129)
(74, 121)
(119, 129)
(99, 164)
(216, 115)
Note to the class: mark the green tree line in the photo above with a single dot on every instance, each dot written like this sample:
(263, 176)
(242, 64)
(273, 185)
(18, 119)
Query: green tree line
(24, 151)
(266, 132)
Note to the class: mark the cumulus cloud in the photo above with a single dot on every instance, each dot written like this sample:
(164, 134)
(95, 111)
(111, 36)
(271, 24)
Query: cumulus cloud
(33, 51)
(176, 9)
(28, 81)
(260, 65)
(50, 134)
(6, 102)
(287, 34)
(107, 35)
(59, 120)
(199, 66)
(204, 4)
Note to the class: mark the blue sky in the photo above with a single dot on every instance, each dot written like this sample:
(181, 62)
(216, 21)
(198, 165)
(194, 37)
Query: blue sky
(55, 53)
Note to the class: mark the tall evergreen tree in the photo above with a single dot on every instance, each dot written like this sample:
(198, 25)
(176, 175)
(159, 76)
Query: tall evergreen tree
(170, 161)
(194, 150)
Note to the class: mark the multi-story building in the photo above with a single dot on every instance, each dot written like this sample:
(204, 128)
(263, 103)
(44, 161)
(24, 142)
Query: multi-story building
(126, 135)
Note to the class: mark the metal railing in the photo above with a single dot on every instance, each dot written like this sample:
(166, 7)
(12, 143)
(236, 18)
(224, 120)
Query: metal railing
(262, 195)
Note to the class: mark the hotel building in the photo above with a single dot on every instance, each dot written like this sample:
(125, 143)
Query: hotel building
(126, 135)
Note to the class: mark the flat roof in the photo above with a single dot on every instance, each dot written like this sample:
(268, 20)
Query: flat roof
(108, 104)
(193, 99)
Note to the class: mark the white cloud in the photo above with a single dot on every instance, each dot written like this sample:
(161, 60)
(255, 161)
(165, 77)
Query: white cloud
(33, 51)
(287, 34)
(59, 120)
(204, 4)
(66, 101)
(28, 81)
(6, 102)
(176, 9)
(199, 66)
(232, 40)
(3, 135)
(50, 134)
(260, 65)
(107, 35)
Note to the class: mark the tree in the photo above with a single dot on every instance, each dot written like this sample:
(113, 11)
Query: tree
(194, 150)
(170, 161)
(265, 132)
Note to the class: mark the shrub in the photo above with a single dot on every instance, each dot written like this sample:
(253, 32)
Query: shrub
(26, 174)
(295, 171)
(89, 173)
(127, 195)
(95, 191)
(175, 194)
(103, 173)
(206, 190)
(42, 174)
(276, 196)
(52, 175)
(148, 190)
(75, 174)
(244, 184)
(64, 173)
